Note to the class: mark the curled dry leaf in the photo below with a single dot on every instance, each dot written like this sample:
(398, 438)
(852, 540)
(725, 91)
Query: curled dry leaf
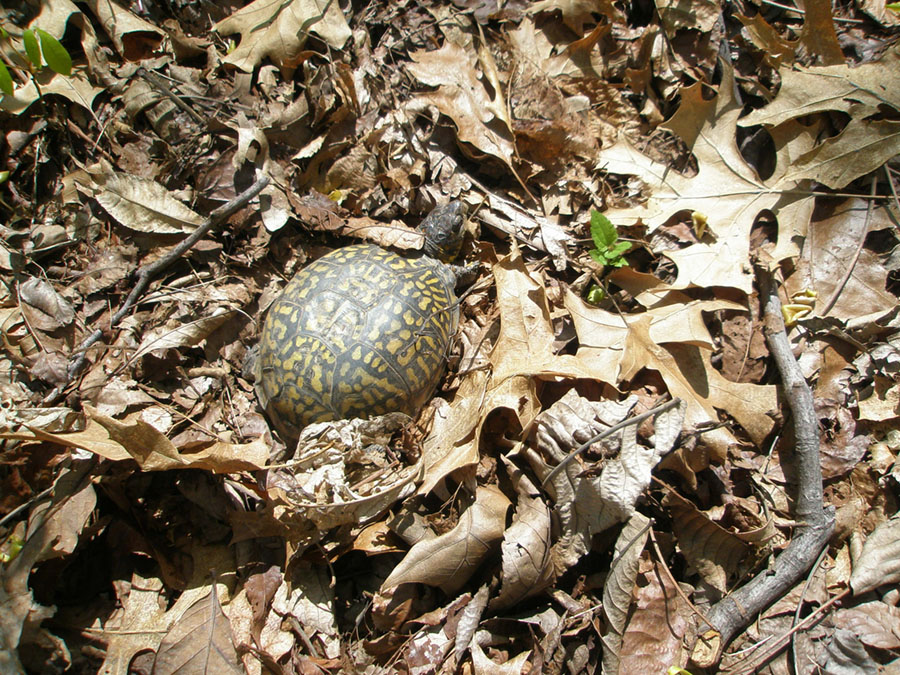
(182, 334)
(656, 625)
(343, 473)
(449, 560)
(43, 307)
(479, 111)
(711, 549)
(309, 598)
(133, 438)
(527, 564)
(590, 504)
(482, 665)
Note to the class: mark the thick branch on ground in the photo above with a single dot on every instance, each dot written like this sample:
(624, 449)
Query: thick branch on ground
(147, 273)
(735, 612)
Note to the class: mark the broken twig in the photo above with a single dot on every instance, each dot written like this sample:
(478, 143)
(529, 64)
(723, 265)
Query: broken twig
(147, 273)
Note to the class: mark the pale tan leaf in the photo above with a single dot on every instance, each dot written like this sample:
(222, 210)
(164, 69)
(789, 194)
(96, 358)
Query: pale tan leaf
(454, 439)
(138, 625)
(120, 24)
(700, 16)
(879, 562)
(449, 560)
(199, 642)
(858, 90)
(140, 204)
(482, 665)
(527, 565)
(673, 340)
(464, 98)
(133, 438)
(182, 334)
(309, 598)
(278, 29)
(75, 88)
(525, 345)
(725, 191)
(830, 245)
(862, 147)
(469, 620)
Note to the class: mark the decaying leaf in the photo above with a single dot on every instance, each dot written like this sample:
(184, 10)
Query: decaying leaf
(619, 587)
(590, 504)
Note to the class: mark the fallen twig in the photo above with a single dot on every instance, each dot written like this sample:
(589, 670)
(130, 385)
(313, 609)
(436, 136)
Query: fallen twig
(732, 614)
(147, 273)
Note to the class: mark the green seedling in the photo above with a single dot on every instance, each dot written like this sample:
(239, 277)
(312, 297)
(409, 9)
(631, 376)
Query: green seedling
(608, 250)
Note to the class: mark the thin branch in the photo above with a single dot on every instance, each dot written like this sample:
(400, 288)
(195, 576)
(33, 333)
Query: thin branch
(814, 523)
(149, 272)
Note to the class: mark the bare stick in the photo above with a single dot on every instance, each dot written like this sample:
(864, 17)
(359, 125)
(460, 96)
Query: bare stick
(814, 523)
(147, 273)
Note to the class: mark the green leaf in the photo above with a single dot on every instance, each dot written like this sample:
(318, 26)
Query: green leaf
(55, 54)
(595, 294)
(617, 250)
(598, 256)
(603, 232)
(893, 6)
(4, 176)
(6, 83)
(32, 49)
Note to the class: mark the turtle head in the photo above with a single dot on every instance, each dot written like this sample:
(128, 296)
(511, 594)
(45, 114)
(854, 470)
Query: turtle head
(444, 229)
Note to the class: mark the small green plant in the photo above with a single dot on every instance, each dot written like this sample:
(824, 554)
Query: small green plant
(607, 249)
(40, 47)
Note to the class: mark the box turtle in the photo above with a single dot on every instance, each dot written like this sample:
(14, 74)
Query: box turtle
(362, 331)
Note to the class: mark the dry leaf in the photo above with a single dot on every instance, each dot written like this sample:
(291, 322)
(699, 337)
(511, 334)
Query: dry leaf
(199, 642)
(879, 562)
(140, 204)
(449, 560)
(277, 29)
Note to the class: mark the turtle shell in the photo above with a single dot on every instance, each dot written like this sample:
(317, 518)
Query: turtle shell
(362, 331)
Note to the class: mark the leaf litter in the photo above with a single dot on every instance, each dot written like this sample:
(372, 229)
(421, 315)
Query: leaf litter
(151, 520)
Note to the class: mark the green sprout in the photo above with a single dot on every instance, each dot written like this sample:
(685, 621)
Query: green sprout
(607, 249)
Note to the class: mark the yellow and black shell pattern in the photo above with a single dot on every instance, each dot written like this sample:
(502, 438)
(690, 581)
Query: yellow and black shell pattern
(362, 331)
